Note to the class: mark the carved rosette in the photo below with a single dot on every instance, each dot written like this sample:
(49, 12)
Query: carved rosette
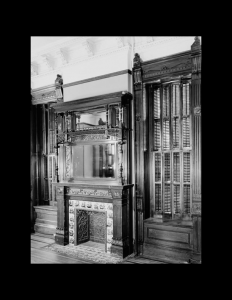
(197, 111)
(196, 208)
(59, 191)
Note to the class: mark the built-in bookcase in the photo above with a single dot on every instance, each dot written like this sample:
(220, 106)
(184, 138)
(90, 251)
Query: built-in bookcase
(172, 148)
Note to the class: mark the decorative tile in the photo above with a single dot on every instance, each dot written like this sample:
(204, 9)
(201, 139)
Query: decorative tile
(89, 204)
(95, 206)
(110, 214)
(102, 206)
(109, 222)
(71, 240)
(70, 203)
(109, 239)
(109, 231)
(110, 207)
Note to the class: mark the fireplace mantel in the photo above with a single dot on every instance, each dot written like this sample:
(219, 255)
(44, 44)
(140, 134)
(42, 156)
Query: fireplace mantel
(114, 199)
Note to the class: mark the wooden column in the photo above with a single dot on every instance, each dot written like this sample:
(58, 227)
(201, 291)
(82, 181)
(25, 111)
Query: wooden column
(61, 236)
(196, 134)
(139, 153)
(33, 164)
(120, 241)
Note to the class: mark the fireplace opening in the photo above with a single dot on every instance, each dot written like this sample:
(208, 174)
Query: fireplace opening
(90, 228)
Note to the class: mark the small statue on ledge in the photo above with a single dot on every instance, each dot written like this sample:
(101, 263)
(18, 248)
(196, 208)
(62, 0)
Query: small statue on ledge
(58, 81)
(137, 60)
(101, 122)
(59, 88)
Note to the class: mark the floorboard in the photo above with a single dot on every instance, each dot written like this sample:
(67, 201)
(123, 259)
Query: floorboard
(46, 255)
(41, 239)
(138, 260)
(36, 244)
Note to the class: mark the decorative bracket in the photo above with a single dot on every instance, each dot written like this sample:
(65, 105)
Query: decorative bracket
(120, 42)
(150, 39)
(89, 47)
(62, 54)
(48, 61)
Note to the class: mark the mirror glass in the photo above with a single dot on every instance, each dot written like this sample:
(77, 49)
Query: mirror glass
(94, 161)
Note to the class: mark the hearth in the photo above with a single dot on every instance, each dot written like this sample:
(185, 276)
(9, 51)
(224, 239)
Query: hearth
(90, 225)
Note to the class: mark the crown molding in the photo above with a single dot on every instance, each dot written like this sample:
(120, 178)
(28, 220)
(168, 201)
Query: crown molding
(159, 42)
(83, 59)
(63, 43)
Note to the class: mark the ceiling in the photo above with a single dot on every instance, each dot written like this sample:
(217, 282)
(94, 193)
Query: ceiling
(38, 42)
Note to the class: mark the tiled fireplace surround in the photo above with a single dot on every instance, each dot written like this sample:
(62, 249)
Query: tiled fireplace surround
(91, 206)
(113, 200)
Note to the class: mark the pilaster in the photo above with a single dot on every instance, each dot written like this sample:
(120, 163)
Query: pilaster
(196, 133)
(139, 151)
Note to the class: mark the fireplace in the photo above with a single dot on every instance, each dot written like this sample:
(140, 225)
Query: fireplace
(90, 225)
(90, 221)
(99, 216)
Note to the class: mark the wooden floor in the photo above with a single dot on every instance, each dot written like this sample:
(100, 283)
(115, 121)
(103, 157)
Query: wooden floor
(39, 255)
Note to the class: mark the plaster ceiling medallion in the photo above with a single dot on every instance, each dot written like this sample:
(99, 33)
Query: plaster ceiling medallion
(89, 47)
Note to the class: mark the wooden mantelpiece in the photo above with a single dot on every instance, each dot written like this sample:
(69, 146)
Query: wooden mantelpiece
(115, 195)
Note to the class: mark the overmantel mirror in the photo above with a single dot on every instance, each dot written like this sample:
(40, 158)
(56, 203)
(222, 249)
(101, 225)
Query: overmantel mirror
(92, 141)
